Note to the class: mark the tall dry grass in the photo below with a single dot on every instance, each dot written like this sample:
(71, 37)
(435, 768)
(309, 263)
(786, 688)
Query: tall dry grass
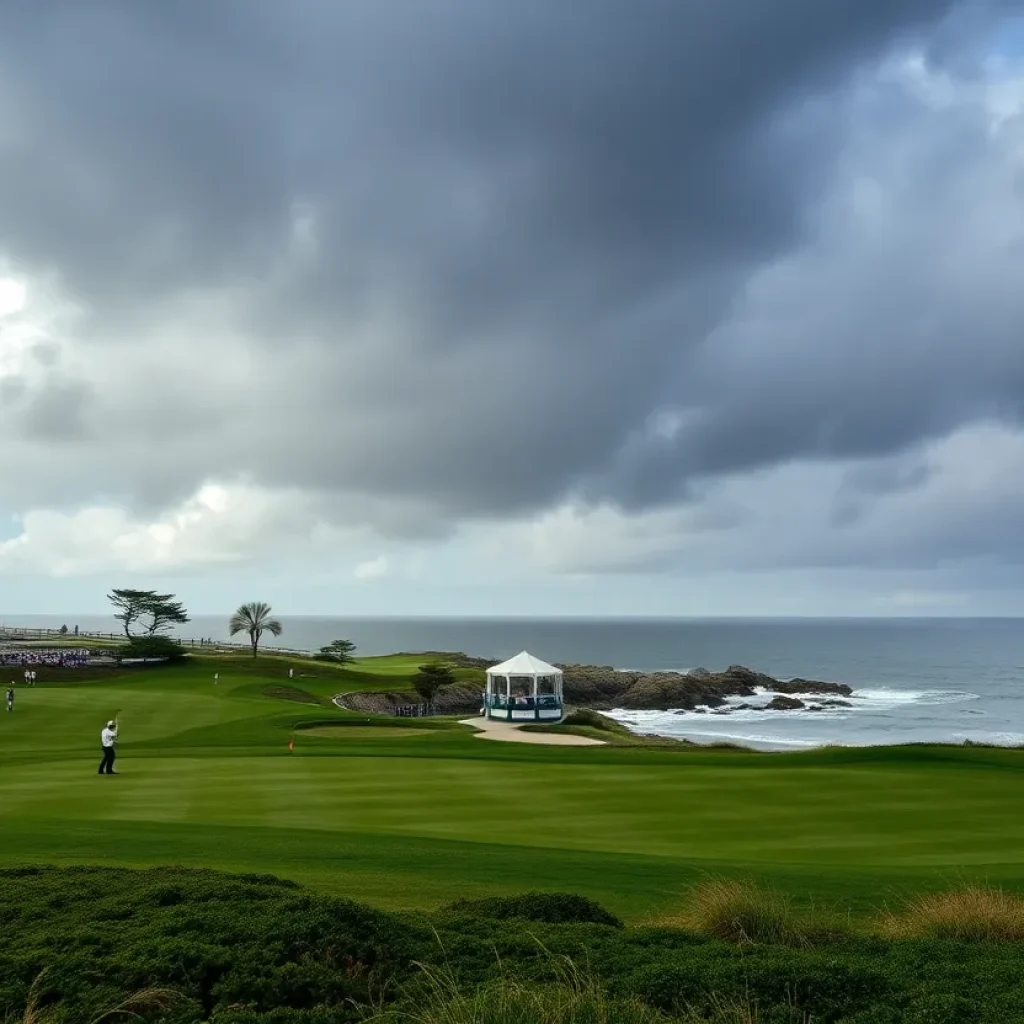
(742, 911)
(141, 1005)
(575, 998)
(973, 913)
(739, 1011)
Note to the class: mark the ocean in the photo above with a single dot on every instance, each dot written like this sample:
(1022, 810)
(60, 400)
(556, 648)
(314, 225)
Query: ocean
(914, 680)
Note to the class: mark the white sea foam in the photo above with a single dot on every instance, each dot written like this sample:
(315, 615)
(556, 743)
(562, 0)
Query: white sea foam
(884, 695)
(870, 715)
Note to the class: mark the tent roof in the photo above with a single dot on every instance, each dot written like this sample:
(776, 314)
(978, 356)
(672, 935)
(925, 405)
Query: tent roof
(524, 664)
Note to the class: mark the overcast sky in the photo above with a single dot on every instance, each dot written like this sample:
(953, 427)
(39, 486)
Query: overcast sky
(676, 307)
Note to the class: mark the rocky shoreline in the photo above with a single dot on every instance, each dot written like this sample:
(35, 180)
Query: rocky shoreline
(603, 688)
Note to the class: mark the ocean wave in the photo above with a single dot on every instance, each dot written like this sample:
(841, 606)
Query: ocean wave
(884, 696)
(774, 742)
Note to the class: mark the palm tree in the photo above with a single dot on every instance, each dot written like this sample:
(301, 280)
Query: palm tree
(254, 618)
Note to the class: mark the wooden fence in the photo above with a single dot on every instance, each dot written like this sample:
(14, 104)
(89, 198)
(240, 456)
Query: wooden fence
(34, 634)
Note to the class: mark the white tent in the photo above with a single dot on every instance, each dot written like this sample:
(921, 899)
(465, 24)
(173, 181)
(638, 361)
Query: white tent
(524, 664)
(524, 688)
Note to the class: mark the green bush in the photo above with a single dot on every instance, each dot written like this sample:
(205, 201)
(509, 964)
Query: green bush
(187, 946)
(153, 647)
(549, 907)
(574, 998)
(593, 720)
(218, 940)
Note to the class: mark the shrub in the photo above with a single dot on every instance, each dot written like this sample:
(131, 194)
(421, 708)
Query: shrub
(763, 983)
(593, 720)
(973, 913)
(156, 647)
(741, 911)
(575, 998)
(549, 907)
(104, 935)
(737, 911)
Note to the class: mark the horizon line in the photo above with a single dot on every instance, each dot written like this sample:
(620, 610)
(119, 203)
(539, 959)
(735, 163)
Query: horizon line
(621, 617)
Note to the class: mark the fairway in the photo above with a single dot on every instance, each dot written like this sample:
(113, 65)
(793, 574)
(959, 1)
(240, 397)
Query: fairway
(415, 815)
(348, 732)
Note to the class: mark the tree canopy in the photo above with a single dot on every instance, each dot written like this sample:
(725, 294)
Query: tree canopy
(255, 618)
(153, 613)
(429, 679)
(341, 652)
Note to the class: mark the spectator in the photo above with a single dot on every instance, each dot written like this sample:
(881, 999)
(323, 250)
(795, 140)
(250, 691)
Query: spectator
(59, 658)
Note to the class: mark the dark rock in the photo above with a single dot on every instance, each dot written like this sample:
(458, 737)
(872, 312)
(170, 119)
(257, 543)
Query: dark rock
(836, 704)
(450, 700)
(807, 686)
(785, 704)
(603, 688)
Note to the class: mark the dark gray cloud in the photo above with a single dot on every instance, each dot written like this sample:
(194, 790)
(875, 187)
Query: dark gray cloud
(470, 247)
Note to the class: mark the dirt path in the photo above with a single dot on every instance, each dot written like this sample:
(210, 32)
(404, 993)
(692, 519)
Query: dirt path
(489, 729)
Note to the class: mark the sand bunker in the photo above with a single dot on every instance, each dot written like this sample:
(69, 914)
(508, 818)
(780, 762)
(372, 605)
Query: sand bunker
(489, 729)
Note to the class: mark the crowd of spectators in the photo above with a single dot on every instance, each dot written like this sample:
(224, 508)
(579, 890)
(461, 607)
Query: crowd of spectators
(60, 657)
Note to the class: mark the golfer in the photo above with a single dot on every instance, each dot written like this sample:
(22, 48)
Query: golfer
(107, 740)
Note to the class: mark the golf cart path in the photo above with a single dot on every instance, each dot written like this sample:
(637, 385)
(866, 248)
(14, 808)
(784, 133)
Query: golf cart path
(490, 729)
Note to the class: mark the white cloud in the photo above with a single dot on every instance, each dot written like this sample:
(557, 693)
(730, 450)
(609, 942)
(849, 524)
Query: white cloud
(221, 524)
(924, 599)
(373, 569)
(12, 296)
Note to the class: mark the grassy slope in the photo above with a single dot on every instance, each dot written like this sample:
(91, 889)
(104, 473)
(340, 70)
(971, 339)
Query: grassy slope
(415, 820)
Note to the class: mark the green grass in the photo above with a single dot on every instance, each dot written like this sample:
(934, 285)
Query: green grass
(419, 814)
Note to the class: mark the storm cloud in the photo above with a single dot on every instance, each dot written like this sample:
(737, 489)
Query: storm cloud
(438, 264)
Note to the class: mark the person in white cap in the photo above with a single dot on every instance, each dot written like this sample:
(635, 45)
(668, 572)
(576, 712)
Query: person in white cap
(107, 740)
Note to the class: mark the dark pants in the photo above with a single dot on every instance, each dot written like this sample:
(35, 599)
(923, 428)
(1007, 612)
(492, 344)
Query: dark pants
(107, 764)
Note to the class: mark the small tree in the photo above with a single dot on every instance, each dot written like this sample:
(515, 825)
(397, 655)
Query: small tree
(255, 619)
(429, 679)
(136, 606)
(63, 630)
(341, 652)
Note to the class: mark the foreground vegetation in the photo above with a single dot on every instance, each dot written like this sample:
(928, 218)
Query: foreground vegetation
(185, 947)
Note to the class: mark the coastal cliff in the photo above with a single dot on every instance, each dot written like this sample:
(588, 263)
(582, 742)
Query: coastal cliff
(603, 688)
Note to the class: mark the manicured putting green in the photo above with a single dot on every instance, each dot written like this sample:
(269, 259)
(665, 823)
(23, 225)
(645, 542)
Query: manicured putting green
(414, 814)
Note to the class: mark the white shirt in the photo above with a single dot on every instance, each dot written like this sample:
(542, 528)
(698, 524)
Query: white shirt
(108, 736)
